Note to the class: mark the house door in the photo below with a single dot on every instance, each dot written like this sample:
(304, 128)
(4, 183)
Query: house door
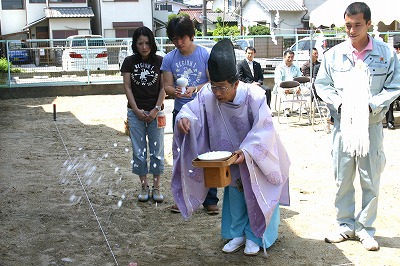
(42, 32)
(42, 53)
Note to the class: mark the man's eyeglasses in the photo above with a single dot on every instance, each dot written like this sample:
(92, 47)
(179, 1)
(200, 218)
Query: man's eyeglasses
(218, 88)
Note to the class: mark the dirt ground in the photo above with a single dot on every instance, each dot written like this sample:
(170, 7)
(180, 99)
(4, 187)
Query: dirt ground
(68, 196)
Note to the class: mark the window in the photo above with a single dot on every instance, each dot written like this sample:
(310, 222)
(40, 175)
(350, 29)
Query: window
(231, 5)
(123, 33)
(303, 45)
(126, 29)
(12, 4)
(164, 7)
(91, 42)
(37, 1)
(67, 1)
(63, 34)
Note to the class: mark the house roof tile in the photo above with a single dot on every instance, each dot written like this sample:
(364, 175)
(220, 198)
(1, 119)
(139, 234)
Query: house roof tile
(212, 16)
(196, 14)
(69, 12)
(281, 5)
(62, 12)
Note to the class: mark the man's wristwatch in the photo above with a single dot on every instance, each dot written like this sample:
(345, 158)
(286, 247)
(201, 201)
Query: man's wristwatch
(158, 107)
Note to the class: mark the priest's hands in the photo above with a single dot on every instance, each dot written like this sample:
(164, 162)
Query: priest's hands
(183, 125)
(240, 158)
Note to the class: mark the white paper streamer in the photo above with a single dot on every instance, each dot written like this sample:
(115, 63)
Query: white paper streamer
(355, 111)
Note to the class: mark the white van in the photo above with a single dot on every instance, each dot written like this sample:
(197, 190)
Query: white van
(302, 48)
(83, 52)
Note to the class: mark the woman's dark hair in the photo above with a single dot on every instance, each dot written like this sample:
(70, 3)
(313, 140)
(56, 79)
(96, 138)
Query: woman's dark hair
(179, 27)
(144, 31)
(358, 8)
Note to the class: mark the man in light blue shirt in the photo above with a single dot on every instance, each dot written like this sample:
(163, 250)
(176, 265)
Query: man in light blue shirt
(286, 70)
(336, 85)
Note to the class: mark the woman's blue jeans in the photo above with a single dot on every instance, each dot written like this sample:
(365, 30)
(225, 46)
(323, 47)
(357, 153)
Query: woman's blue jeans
(140, 132)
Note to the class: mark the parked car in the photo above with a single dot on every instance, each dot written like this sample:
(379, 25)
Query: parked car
(83, 52)
(126, 49)
(302, 48)
(242, 44)
(208, 44)
(18, 52)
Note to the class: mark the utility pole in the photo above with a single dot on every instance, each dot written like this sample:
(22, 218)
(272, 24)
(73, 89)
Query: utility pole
(204, 17)
(241, 19)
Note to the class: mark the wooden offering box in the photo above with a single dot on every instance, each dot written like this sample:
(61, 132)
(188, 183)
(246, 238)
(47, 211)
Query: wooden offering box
(216, 173)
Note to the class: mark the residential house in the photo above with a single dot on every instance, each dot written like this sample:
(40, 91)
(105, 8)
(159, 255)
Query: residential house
(44, 19)
(12, 19)
(119, 19)
(285, 16)
(58, 19)
(196, 15)
(162, 9)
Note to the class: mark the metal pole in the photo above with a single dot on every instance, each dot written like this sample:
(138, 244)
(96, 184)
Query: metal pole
(241, 19)
(311, 50)
(204, 17)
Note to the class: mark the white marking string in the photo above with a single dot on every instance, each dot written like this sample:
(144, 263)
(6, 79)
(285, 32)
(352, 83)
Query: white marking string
(87, 196)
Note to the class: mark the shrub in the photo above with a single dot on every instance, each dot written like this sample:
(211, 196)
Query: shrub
(223, 30)
(4, 65)
(259, 30)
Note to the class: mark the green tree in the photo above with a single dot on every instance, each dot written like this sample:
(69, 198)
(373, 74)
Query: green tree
(172, 16)
(222, 30)
(259, 30)
(198, 33)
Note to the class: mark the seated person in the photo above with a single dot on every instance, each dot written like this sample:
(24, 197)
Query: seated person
(250, 72)
(306, 69)
(286, 70)
(315, 72)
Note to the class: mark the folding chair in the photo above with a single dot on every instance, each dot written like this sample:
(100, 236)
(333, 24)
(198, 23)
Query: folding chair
(306, 92)
(319, 114)
(289, 94)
